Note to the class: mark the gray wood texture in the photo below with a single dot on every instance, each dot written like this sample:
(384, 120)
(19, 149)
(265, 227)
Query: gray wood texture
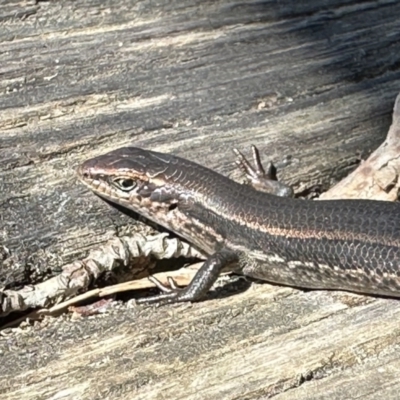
(312, 84)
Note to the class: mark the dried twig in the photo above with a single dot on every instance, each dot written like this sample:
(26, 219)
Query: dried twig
(134, 252)
(182, 277)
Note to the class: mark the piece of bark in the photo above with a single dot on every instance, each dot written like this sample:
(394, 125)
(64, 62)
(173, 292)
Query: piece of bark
(377, 177)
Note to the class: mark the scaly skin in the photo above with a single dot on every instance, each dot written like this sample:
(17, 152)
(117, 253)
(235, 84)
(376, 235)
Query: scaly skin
(349, 245)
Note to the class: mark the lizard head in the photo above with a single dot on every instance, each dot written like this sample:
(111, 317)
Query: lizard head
(178, 194)
(144, 181)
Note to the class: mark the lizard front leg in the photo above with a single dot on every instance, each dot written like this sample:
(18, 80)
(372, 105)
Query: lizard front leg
(259, 178)
(200, 284)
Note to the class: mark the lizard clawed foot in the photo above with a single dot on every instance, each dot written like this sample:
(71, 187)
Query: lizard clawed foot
(166, 289)
(170, 294)
(253, 173)
(261, 179)
(199, 285)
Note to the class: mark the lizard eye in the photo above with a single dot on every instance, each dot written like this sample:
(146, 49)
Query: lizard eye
(125, 184)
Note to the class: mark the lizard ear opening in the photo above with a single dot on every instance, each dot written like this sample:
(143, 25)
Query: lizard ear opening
(172, 206)
(125, 184)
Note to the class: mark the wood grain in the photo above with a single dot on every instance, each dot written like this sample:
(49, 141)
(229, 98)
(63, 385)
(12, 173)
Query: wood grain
(311, 84)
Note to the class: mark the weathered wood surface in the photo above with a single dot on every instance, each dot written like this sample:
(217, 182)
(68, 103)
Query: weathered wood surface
(312, 84)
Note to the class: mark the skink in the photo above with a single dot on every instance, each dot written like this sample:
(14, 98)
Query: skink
(351, 245)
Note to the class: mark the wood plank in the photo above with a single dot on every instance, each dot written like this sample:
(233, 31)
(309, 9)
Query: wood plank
(312, 84)
(262, 342)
